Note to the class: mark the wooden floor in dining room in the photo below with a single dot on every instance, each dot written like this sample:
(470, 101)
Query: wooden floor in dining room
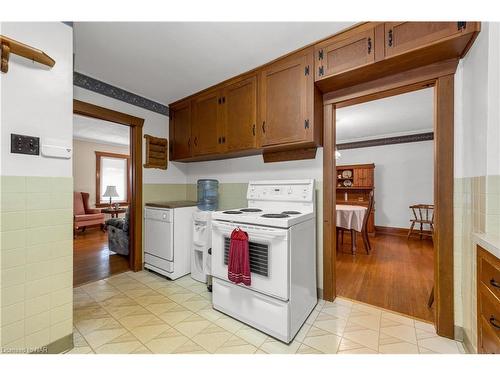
(92, 259)
(397, 275)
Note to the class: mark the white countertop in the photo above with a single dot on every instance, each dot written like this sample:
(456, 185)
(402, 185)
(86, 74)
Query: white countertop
(489, 242)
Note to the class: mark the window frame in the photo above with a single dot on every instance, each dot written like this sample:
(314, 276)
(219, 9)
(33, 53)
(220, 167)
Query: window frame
(98, 156)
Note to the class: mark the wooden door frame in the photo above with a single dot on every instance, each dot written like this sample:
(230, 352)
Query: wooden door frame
(441, 77)
(135, 124)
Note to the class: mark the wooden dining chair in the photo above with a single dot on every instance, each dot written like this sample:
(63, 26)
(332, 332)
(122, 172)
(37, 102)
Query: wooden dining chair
(364, 228)
(423, 214)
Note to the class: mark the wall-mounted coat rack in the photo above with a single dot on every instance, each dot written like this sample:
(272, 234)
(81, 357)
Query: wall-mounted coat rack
(9, 46)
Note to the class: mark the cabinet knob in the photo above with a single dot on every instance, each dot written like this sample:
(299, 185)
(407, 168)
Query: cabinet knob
(196, 141)
(389, 37)
(263, 126)
(253, 129)
(369, 45)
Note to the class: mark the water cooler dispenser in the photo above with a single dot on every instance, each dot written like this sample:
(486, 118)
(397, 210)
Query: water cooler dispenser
(208, 200)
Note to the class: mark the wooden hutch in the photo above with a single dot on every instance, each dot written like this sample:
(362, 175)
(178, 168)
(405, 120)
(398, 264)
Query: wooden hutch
(354, 184)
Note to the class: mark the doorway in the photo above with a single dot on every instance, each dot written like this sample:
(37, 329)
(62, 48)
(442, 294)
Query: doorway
(107, 192)
(384, 166)
(440, 77)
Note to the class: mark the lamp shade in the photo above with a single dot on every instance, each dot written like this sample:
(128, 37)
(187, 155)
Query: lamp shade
(110, 192)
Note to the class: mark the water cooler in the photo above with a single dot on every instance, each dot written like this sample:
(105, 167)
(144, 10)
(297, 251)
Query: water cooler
(208, 200)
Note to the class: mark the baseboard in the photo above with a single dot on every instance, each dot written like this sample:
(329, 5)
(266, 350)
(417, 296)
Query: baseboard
(469, 348)
(399, 231)
(60, 346)
(320, 293)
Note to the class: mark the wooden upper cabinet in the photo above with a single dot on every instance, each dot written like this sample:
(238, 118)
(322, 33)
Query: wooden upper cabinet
(239, 115)
(343, 53)
(180, 130)
(402, 37)
(286, 93)
(206, 123)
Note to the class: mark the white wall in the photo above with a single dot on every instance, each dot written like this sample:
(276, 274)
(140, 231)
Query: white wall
(254, 168)
(403, 176)
(37, 100)
(84, 166)
(155, 124)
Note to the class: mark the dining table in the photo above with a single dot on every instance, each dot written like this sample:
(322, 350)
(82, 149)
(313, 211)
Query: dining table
(350, 217)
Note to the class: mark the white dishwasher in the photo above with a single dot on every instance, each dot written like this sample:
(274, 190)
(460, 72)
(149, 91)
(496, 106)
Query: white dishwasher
(168, 237)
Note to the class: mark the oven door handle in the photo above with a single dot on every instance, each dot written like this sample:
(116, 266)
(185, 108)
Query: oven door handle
(253, 232)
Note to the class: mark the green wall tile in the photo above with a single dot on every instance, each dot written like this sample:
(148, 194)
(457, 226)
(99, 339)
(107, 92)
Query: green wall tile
(10, 201)
(12, 184)
(38, 184)
(12, 221)
(13, 239)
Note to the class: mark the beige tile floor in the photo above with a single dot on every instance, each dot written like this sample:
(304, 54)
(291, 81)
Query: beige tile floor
(145, 313)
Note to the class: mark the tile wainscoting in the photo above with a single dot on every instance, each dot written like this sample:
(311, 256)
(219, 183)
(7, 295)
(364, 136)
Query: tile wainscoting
(36, 259)
(476, 210)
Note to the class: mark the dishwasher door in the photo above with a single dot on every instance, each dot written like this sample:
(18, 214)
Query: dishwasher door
(159, 233)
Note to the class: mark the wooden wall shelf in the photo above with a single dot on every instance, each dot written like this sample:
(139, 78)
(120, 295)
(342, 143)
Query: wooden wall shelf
(9, 46)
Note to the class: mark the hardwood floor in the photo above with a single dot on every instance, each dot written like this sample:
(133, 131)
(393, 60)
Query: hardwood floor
(397, 275)
(92, 260)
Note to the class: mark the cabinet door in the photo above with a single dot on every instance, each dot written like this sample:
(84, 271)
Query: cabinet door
(180, 131)
(401, 37)
(345, 54)
(286, 90)
(206, 118)
(240, 115)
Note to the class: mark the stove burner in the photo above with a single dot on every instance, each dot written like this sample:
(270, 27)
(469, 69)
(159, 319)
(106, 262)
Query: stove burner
(232, 212)
(251, 210)
(291, 212)
(275, 216)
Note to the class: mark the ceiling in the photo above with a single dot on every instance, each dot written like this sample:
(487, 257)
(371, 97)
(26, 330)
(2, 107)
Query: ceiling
(166, 61)
(403, 114)
(100, 131)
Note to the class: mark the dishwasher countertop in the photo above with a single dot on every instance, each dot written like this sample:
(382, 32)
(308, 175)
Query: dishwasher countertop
(171, 204)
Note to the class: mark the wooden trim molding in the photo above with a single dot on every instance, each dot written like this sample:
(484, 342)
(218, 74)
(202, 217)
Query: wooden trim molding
(135, 124)
(288, 155)
(393, 231)
(98, 156)
(440, 76)
(387, 141)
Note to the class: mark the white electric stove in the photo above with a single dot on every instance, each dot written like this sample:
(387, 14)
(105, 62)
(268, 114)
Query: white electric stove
(280, 222)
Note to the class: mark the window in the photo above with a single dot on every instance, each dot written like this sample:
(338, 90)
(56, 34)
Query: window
(112, 170)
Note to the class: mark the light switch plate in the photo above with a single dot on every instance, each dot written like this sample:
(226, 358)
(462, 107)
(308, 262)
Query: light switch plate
(24, 144)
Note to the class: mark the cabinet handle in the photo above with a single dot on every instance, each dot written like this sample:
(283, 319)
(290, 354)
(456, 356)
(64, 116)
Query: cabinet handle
(223, 139)
(492, 322)
(196, 141)
(220, 140)
(494, 283)
(189, 142)
(223, 99)
(220, 100)
(369, 45)
(389, 35)
(263, 126)
(253, 129)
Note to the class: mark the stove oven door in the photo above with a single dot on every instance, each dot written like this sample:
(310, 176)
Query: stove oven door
(269, 256)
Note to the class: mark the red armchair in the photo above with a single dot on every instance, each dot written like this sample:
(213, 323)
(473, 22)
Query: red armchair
(83, 215)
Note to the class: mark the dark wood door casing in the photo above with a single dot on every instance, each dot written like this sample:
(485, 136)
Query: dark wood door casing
(135, 124)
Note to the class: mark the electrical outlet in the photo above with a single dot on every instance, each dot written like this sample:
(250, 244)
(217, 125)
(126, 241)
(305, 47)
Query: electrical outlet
(24, 144)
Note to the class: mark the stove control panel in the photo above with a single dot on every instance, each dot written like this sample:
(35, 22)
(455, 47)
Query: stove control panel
(296, 190)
